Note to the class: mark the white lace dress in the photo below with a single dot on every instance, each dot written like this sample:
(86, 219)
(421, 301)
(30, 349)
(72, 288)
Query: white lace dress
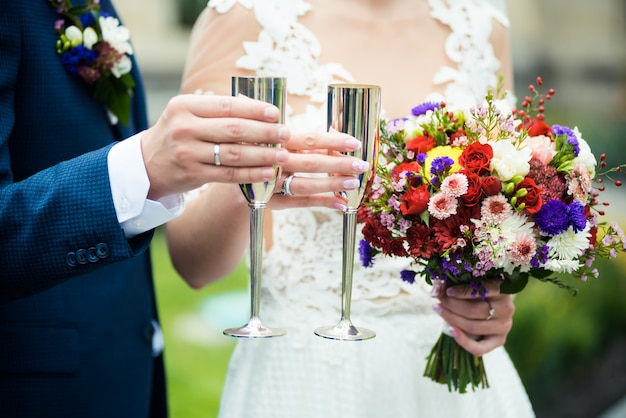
(300, 374)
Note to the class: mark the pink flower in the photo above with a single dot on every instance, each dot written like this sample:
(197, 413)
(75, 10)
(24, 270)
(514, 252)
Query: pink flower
(495, 209)
(523, 249)
(542, 148)
(455, 185)
(579, 183)
(442, 205)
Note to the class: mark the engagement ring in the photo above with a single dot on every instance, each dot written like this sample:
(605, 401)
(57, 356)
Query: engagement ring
(286, 189)
(492, 311)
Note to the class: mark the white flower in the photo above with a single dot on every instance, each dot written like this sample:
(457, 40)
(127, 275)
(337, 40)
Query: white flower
(90, 37)
(508, 161)
(115, 34)
(569, 245)
(74, 35)
(585, 156)
(562, 266)
(123, 66)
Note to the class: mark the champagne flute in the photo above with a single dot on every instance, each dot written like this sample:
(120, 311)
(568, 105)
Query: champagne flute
(271, 90)
(353, 109)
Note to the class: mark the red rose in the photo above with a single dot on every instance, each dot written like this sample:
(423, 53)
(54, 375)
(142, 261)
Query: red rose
(421, 144)
(476, 158)
(415, 200)
(532, 200)
(474, 191)
(491, 185)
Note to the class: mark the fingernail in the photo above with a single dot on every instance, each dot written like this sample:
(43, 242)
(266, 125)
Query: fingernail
(268, 173)
(271, 113)
(360, 166)
(284, 134)
(353, 143)
(437, 308)
(351, 184)
(434, 292)
(340, 207)
(451, 291)
(282, 155)
(450, 330)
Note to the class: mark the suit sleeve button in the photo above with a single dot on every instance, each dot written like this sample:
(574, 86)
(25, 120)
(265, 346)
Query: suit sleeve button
(91, 255)
(70, 259)
(81, 256)
(102, 250)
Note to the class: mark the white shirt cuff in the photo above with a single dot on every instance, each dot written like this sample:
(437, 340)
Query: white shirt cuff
(129, 187)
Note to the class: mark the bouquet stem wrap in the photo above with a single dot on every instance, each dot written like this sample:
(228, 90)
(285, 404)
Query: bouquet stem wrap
(450, 364)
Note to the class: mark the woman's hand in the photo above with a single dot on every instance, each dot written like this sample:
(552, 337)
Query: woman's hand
(309, 153)
(478, 325)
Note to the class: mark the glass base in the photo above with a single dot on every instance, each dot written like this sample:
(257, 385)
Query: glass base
(345, 331)
(254, 329)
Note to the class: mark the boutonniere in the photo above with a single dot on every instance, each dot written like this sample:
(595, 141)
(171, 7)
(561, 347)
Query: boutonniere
(95, 47)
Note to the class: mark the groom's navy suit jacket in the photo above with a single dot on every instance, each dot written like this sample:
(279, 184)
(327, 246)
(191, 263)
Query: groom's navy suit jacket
(76, 296)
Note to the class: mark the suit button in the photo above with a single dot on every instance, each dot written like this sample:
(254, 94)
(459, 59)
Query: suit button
(70, 259)
(81, 256)
(91, 255)
(102, 250)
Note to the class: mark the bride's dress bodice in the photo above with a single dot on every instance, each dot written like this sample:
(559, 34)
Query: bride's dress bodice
(302, 269)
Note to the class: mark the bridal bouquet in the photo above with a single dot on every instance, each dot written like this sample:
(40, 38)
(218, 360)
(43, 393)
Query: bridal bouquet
(486, 193)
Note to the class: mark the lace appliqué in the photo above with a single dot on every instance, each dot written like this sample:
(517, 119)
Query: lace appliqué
(469, 47)
(287, 48)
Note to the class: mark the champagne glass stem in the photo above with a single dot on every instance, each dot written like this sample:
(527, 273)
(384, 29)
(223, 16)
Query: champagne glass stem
(349, 241)
(257, 212)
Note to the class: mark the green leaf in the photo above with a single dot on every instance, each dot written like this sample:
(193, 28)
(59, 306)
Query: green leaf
(514, 285)
(114, 93)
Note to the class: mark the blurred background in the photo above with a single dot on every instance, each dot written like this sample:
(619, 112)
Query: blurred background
(570, 351)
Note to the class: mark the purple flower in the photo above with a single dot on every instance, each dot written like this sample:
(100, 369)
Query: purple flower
(576, 215)
(440, 165)
(87, 20)
(553, 218)
(408, 276)
(540, 258)
(366, 253)
(571, 136)
(421, 109)
(421, 158)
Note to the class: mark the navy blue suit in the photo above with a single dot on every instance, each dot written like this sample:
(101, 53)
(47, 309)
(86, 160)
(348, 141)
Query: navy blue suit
(76, 296)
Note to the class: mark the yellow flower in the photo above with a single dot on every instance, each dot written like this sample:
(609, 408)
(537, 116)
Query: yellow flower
(443, 151)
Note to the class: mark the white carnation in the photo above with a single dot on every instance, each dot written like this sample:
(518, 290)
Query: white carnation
(508, 161)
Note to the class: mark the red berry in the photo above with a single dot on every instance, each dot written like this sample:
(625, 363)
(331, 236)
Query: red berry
(602, 157)
(539, 81)
(541, 101)
(618, 169)
(541, 109)
(601, 188)
(603, 164)
(551, 92)
(605, 203)
(601, 212)
(541, 117)
(600, 180)
(548, 97)
(522, 113)
(618, 183)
